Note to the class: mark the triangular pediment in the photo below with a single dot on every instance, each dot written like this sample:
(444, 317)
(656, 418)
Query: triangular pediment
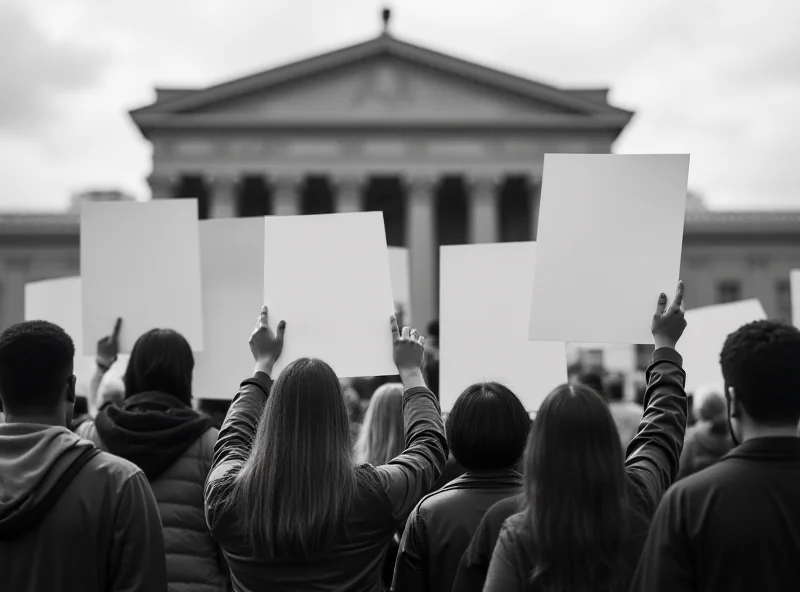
(382, 78)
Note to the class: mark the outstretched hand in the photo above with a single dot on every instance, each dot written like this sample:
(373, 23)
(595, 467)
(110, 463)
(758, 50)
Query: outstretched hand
(669, 323)
(108, 347)
(265, 345)
(409, 348)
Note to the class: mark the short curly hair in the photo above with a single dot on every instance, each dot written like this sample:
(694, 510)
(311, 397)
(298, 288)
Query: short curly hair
(761, 361)
(36, 364)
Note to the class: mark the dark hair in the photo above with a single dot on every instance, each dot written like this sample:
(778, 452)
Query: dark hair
(487, 427)
(576, 494)
(161, 360)
(760, 362)
(36, 360)
(297, 487)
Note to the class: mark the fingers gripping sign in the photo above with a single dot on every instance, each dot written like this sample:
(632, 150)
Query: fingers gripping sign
(108, 347)
(409, 351)
(669, 323)
(265, 345)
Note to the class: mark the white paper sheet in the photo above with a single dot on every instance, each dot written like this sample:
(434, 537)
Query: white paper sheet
(59, 301)
(795, 289)
(141, 262)
(609, 242)
(401, 282)
(328, 277)
(232, 259)
(706, 331)
(485, 299)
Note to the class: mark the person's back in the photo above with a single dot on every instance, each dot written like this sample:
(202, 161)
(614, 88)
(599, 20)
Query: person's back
(487, 430)
(275, 498)
(174, 446)
(71, 517)
(736, 525)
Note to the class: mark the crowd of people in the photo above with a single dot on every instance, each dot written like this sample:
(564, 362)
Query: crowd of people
(297, 485)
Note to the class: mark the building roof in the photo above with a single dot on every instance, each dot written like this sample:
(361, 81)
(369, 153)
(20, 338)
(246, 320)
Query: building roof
(183, 107)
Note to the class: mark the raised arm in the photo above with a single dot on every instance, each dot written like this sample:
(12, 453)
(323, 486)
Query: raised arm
(412, 474)
(106, 355)
(653, 455)
(239, 428)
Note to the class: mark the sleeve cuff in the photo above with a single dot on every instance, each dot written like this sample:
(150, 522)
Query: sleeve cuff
(667, 354)
(260, 380)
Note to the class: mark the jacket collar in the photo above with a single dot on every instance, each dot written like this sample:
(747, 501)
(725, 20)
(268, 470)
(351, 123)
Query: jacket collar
(486, 480)
(766, 449)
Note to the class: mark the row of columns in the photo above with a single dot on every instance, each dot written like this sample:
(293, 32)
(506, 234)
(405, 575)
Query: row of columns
(420, 226)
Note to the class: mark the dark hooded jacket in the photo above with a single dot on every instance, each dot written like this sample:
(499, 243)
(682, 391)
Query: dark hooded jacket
(73, 517)
(174, 446)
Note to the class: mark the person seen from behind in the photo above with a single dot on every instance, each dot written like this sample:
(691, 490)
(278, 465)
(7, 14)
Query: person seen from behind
(381, 439)
(709, 440)
(486, 429)
(71, 517)
(156, 428)
(735, 525)
(285, 499)
(588, 507)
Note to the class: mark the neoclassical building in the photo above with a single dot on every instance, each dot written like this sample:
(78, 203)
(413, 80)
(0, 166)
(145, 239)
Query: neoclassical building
(450, 151)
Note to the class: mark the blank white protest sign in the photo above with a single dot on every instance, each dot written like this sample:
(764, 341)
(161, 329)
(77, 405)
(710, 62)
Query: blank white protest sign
(328, 277)
(401, 282)
(59, 301)
(609, 242)
(795, 289)
(232, 271)
(485, 300)
(141, 262)
(706, 331)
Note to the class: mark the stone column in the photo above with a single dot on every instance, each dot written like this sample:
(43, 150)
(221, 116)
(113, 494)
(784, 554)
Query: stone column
(349, 193)
(162, 186)
(223, 196)
(483, 209)
(12, 286)
(535, 197)
(423, 248)
(285, 195)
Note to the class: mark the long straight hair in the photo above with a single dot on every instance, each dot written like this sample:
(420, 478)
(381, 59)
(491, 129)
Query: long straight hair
(576, 493)
(297, 486)
(382, 436)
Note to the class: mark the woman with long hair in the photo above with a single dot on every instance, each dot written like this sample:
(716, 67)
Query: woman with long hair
(285, 499)
(588, 508)
(382, 435)
(156, 428)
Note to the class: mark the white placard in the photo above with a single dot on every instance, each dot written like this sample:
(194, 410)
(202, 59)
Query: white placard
(795, 289)
(141, 262)
(59, 301)
(232, 269)
(609, 242)
(401, 282)
(485, 299)
(706, 331)
(328, 277)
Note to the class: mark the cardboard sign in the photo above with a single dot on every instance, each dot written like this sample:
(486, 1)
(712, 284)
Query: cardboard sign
(141, 262)
(609, 242)
(232, 264)
(328, 277)
(401, 282)
(706, 331)
(485, 300)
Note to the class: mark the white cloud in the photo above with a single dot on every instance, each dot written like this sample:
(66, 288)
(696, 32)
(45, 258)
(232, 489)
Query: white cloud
(719, 79)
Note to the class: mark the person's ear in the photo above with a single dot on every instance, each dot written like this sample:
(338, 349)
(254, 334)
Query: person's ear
(733, 401)
(71, 389)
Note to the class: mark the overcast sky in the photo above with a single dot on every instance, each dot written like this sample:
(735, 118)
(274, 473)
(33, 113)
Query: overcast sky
(719, 79)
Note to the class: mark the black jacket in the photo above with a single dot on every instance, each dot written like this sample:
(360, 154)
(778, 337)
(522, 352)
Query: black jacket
(441, 527)
(651, 466)
(384, 497)
(734, 526)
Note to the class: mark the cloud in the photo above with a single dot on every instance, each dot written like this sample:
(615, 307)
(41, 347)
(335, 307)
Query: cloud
(38, 73)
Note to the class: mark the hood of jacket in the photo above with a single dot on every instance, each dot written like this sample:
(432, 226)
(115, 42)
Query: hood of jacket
(37, 463)
(152, 430)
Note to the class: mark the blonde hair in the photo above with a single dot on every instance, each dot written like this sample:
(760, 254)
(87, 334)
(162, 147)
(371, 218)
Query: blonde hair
(382, 436)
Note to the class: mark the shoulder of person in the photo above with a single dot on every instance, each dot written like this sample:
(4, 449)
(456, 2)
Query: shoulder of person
(114, 468)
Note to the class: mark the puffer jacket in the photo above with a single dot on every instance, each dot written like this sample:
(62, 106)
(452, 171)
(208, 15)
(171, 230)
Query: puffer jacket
(194, 561)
